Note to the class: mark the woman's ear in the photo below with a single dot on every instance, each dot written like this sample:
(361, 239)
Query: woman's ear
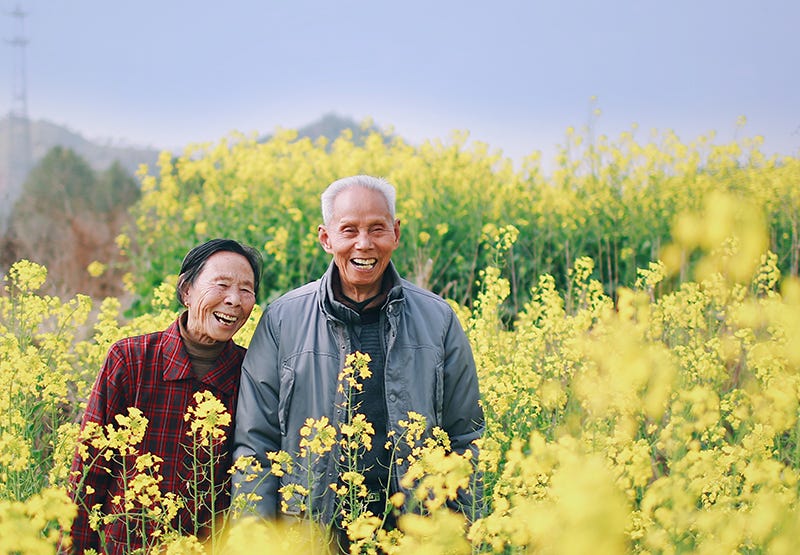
(183, 288)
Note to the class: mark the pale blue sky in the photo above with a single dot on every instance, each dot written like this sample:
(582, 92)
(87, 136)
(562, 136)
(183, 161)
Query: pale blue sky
(514, 74)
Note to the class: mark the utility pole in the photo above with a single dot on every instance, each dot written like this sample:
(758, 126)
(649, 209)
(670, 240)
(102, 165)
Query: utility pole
(18, 162)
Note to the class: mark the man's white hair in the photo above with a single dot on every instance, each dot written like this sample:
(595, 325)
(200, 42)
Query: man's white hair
(366, 181)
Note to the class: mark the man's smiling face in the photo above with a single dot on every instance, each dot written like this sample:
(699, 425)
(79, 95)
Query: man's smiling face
(361, 235)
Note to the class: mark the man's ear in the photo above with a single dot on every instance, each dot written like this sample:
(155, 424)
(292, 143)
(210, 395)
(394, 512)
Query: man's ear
(324, 239)
(397, 232)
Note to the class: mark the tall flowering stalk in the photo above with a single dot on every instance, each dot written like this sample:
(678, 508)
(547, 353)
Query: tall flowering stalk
(208, 420)
(355, 439)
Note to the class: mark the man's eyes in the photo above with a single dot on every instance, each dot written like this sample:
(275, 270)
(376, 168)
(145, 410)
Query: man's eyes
(354, 230)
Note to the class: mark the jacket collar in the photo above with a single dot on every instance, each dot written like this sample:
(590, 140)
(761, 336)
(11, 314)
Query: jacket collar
(333, 308)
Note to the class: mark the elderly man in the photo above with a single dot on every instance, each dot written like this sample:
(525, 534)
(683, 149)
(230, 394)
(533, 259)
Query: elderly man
(421, 360)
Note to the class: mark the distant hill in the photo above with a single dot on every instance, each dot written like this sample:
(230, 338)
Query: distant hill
(44, 135)
(332, 125)
(100, 155)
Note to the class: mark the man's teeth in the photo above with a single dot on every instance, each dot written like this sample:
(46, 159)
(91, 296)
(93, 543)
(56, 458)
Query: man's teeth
(225, 318)
(366, 262)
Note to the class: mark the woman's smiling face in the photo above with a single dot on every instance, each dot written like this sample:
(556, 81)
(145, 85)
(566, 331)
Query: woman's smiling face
(221, 298)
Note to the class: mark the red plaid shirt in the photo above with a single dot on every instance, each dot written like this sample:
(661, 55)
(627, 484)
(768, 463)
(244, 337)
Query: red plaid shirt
(153, 373)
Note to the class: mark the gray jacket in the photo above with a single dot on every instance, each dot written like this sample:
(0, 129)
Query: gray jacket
(290, 374)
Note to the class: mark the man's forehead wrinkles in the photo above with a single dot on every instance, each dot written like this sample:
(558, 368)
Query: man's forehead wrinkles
(362, 220)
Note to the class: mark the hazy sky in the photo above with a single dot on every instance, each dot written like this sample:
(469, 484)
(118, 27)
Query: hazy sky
(515, 74)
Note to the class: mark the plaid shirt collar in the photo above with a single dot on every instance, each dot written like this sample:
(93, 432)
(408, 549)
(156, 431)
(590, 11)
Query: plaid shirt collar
(177, 365)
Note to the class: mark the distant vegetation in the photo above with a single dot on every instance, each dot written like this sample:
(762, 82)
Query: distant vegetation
(67, 217)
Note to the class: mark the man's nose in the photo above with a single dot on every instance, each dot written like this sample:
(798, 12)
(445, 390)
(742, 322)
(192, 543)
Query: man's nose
(363, 241)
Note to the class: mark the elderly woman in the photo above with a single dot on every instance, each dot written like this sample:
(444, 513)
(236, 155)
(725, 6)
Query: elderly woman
(159, 374)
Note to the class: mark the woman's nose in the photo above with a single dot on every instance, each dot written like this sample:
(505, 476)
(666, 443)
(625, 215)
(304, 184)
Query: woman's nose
(233, 297)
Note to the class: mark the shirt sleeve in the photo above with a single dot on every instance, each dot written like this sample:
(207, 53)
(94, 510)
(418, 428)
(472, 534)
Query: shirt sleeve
(257, 430)
(89, 480)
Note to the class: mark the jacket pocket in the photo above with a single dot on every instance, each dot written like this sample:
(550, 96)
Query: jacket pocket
(285, 399)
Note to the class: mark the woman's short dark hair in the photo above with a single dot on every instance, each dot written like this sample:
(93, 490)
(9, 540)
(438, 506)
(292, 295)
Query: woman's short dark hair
(195, 260)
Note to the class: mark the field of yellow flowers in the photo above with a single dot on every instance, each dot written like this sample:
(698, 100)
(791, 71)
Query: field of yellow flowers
(635, 318)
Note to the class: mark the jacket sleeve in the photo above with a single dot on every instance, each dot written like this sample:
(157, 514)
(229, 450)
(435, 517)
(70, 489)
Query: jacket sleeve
(257, 428)
(462, 415)
(89, 480)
